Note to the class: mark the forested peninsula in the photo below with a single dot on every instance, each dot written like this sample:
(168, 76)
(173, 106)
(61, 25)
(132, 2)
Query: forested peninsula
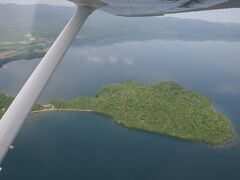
(164, 107)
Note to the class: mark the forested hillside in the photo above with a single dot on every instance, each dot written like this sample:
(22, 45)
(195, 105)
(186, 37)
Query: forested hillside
(165, 108)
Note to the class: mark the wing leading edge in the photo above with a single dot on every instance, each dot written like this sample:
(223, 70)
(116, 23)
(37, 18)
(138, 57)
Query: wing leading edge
(156, 7)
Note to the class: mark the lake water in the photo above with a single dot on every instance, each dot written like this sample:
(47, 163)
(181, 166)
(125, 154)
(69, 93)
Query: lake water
(77, 145)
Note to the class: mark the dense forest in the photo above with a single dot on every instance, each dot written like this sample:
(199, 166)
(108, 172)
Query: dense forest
(5, 101)
(164, 107)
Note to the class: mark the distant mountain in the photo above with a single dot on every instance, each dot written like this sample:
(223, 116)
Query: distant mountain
(47, 21)
(18, 20)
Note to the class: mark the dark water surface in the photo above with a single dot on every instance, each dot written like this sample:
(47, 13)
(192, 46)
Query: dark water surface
(76, 145)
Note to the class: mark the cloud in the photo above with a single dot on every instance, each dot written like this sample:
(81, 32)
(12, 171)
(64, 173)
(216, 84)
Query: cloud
(128, 61)
(102, 56)
(93, 57)
(228, 89)
(112, 59)
(97, 56)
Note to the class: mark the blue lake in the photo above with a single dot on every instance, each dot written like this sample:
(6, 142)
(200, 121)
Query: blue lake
(76, 145)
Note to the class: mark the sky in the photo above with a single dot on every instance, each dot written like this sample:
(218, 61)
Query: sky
(226, 15)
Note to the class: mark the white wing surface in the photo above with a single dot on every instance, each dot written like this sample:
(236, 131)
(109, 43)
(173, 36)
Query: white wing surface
(156, 7)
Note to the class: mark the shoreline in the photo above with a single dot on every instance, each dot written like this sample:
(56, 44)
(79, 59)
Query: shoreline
(50, 110)
(227, 144)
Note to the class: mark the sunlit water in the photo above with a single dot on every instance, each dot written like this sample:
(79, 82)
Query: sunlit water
(75, 145)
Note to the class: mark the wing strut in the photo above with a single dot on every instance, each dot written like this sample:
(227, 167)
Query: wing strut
(14, 117)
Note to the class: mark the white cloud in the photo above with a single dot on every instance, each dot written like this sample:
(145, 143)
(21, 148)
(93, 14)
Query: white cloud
(91, 56)
(128, 61)
(101, 56)
(112, 59)
(97, 56)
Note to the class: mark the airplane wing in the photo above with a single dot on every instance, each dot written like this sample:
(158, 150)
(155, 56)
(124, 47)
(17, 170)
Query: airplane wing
(131, 8)
(14, 117)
